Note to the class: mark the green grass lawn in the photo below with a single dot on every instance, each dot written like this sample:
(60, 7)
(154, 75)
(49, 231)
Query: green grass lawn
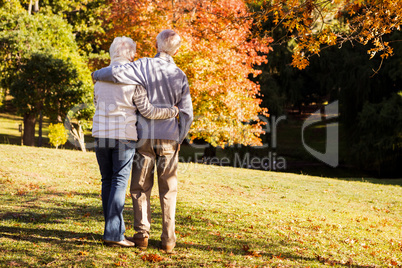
(51, 216)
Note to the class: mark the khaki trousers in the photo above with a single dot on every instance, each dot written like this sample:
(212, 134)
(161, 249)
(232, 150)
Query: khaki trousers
(163, 153)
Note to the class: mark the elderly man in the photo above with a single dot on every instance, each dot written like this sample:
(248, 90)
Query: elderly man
(159, 140)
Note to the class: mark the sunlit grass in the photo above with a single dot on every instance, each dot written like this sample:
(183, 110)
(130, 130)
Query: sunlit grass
(51, 215)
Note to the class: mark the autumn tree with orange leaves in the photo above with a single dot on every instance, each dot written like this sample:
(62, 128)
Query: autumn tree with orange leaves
(217, 54)
(316, 24)
(224, 40)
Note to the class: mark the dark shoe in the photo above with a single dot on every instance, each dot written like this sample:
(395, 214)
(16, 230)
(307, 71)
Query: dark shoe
(124, 243)
(168, 248)
(140, 242)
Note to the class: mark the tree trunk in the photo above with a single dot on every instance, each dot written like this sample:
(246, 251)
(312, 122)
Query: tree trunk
(79, 136)
(29, 129)
(30, 7)
(36, 6)
(40, 129)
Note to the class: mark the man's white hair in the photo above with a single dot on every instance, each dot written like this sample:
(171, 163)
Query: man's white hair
(122, 47)
(168, 41)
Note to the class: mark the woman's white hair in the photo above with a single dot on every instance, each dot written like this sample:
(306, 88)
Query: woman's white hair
(168, 41)
(122, 47)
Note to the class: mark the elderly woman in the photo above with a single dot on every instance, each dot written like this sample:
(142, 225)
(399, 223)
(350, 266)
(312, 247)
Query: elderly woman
(114, 129)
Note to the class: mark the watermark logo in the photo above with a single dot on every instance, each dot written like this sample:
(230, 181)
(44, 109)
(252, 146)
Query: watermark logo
(331, 155)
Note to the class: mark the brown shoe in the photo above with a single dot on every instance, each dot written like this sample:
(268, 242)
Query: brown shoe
(124, 243)
(140, 242)
(168, 248)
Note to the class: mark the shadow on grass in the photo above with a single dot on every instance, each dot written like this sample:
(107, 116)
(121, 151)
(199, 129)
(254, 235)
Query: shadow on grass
(76, 216)
(53, 236)
(53, 240)
(45, 220)
(16, 140)
(46, 231)
(10, 139)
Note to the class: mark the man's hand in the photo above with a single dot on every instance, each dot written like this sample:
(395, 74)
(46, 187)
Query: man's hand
(178, 147)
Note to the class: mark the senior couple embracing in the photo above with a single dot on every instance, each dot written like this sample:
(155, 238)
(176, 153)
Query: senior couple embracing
(143, 114)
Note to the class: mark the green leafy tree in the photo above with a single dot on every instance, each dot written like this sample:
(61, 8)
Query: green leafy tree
(44, 84)
(42, 67)
(22, 35)
(7, 7)
(57, 134)
(86, 18)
